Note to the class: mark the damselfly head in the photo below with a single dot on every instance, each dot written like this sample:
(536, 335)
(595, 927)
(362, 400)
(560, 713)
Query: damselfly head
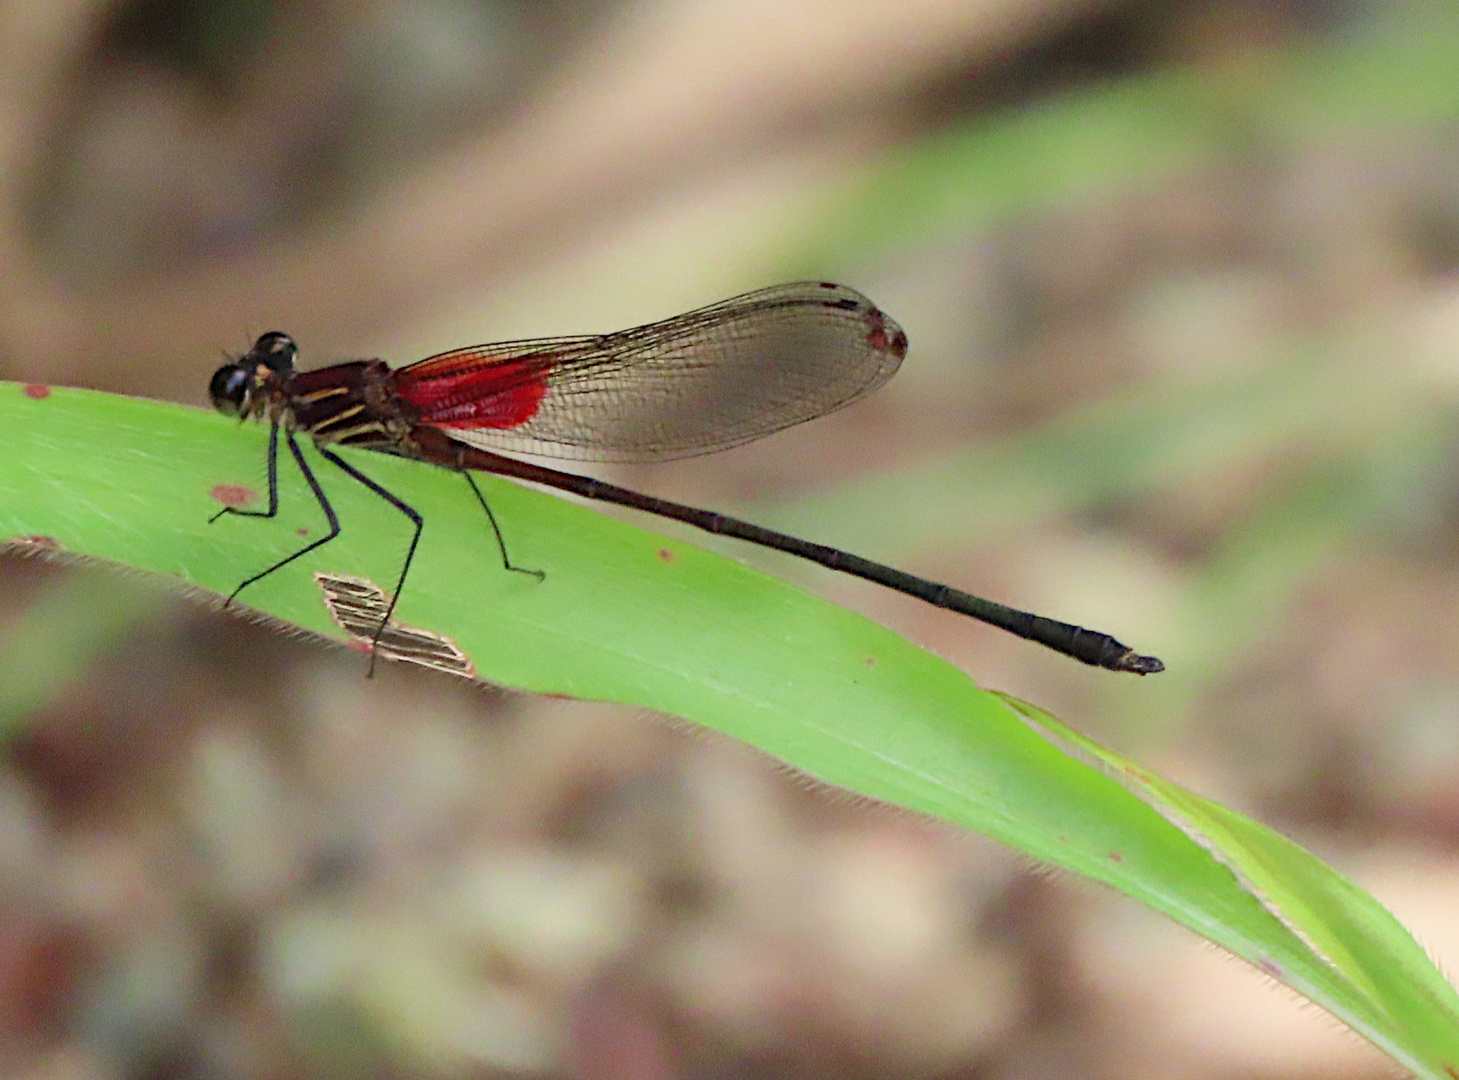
(272, 354)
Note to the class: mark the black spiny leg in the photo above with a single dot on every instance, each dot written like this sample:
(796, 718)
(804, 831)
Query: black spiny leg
(496, 530)
(405, 509)
(273, 486)
(319, 497)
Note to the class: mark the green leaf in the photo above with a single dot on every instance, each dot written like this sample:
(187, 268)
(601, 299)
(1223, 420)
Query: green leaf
(626, 615)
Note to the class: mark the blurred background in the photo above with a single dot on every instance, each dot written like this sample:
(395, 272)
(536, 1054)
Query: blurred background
(1181, 281)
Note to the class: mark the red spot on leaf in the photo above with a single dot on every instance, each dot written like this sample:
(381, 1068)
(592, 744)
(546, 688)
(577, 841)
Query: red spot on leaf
(1116, 857)
(37, 391)
(666, 555)
(301, 531)
(233, 494)
(870, 661)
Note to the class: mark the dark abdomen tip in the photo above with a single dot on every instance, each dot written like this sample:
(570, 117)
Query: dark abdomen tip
(1140, 665)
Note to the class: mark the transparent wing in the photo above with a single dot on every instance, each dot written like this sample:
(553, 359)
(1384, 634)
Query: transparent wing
(716, 377)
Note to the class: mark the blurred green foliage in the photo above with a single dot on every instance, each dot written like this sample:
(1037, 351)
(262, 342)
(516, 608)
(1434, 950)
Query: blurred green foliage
(1354, 424)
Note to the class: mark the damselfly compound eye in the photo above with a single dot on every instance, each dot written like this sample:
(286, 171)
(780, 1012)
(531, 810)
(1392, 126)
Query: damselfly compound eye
(275, 351)
(228, 388)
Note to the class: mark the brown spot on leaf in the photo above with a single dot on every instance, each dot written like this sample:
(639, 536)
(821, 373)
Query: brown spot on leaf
(233, 494)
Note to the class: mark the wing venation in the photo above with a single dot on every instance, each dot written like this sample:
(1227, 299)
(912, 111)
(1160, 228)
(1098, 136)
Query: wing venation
(713, 378)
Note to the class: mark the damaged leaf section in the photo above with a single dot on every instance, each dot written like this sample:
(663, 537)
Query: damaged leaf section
(357, 606)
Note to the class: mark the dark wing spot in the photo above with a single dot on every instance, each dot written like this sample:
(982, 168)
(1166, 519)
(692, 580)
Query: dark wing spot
(878, 338)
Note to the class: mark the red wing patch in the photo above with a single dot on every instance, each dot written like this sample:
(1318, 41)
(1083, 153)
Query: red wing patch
(357, 606)
(459, 390)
